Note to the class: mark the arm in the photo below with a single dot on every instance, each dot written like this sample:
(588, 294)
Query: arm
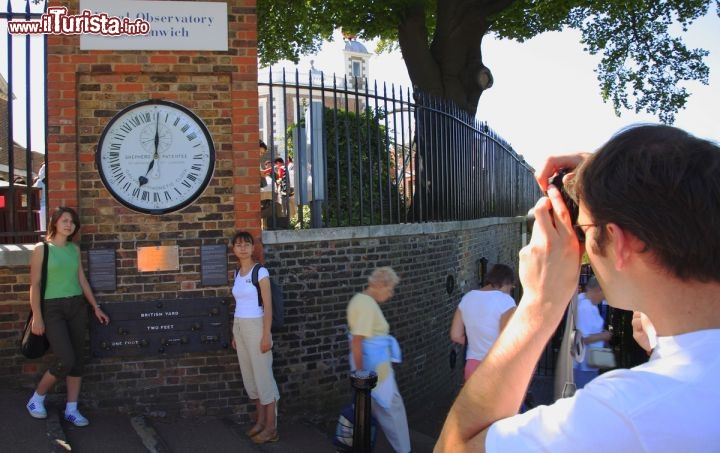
(457, 329)
(594, 338)
(356, 348)
(266, 341)
(549, 271)
(38, 323)
(505, 318)
(89, 296)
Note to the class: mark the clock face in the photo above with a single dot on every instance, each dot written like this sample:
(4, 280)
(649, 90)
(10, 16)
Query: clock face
(155, 156)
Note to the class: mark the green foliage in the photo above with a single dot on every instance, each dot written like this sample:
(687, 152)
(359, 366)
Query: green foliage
(643, 66)
(358, 169)
(358, 162)
(296, 223)
(288, 29)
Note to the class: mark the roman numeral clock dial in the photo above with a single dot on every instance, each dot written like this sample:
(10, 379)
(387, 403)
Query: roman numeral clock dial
(155, 156)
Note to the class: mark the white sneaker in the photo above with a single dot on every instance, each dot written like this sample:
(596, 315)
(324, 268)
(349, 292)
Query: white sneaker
(36, 409)
(76, 418)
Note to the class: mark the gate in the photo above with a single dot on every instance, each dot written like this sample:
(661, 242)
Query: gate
(23, 116)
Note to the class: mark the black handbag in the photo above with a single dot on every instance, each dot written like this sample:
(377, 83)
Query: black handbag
(35, 346)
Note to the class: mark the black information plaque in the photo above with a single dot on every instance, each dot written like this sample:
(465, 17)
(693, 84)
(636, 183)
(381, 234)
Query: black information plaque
(159, 327)
(102, 271)
(213, 264)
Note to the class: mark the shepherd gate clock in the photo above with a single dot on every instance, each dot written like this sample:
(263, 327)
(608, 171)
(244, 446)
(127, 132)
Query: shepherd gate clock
(155, 156)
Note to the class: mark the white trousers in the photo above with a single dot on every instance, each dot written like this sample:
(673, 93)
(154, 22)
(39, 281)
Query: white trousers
(393, 421)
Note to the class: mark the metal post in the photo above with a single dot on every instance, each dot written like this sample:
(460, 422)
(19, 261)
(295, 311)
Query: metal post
(363, 381)
(483, 262)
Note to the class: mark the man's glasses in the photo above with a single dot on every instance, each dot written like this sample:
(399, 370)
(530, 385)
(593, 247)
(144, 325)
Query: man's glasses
(580, 233)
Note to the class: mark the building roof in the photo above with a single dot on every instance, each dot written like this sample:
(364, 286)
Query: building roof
(351, 45)
(3, 88)
(20, 161)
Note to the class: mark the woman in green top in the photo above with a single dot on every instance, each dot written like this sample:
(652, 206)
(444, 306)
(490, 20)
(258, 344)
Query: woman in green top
(63, 316)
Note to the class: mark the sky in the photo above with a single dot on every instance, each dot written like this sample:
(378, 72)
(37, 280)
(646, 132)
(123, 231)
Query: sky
(545, 99)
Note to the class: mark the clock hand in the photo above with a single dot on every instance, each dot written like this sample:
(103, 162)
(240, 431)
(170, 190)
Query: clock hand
(143, 179)
(156, 156)
(157, 133)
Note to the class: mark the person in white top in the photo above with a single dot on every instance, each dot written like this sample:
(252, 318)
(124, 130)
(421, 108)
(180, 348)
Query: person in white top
(40, 182)
(648, 220)
(482, 314)
(590, 323)
(252, 338)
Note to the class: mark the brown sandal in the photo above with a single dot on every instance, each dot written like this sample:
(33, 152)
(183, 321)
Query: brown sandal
(265, 437)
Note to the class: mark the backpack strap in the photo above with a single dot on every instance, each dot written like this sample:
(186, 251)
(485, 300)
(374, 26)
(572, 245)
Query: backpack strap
(43, 277)
(254, 278)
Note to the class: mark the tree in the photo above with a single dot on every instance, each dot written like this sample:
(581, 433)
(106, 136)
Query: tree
(361, 188)
(643, 65)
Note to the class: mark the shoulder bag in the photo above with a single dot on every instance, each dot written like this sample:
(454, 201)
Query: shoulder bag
(35, 346)
(602, 358)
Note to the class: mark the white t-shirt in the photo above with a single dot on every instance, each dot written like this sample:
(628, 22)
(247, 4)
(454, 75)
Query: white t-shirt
(246, 295)
(589, 322)
(481, 312)
(668, 404)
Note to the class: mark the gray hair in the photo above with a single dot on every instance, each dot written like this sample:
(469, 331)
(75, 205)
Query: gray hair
(383, 276)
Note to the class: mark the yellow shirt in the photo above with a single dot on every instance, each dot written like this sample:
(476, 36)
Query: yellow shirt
(365, 318)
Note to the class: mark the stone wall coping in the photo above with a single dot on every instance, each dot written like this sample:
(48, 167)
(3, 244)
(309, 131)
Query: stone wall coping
(15, 254)
(363, 232)
(19, 254)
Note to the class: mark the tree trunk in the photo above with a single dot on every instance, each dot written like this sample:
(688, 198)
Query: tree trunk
(451, 66)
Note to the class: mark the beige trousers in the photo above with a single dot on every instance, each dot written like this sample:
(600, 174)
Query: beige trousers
(255, 367)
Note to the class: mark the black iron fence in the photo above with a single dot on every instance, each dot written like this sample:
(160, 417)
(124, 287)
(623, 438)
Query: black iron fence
(23, 72)
(355, 155)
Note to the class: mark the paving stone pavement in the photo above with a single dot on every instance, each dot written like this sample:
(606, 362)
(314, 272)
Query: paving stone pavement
(112, 432)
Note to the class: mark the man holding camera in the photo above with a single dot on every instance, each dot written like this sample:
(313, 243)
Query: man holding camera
(648, 219)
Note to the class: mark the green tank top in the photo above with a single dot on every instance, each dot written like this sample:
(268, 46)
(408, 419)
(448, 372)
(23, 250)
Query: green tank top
(62, 273)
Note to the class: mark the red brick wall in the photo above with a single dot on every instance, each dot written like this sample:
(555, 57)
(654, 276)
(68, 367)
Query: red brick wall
(228, 105)
(85, 90)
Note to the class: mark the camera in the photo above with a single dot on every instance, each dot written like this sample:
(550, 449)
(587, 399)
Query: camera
(557, 181)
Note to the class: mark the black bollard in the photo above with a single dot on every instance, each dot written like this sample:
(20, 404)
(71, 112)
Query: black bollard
(363, 381)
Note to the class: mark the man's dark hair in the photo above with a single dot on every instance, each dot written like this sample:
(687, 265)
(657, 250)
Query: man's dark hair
(500, 275)
(263, 145)
(662, 185)
(279, 160)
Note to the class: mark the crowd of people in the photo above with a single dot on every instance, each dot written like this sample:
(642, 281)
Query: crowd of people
(277, 188)
(648, 223)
